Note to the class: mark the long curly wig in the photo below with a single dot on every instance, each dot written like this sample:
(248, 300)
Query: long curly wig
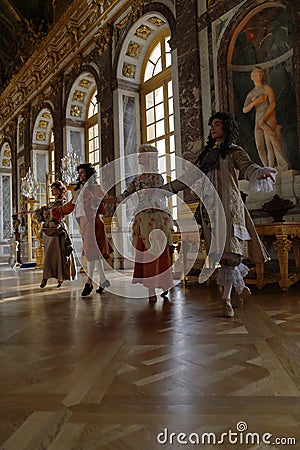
(89, 171)
(230, 129)
(59, 185)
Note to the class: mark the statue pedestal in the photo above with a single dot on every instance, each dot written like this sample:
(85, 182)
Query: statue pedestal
(287, 186)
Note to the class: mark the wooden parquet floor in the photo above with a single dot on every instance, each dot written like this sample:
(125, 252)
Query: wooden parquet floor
(111, 373)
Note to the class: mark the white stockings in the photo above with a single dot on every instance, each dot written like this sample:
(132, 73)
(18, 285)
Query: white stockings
(227, 288)
(91, 265)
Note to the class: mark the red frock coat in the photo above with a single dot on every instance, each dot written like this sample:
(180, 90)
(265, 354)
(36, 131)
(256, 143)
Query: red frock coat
(91, 226)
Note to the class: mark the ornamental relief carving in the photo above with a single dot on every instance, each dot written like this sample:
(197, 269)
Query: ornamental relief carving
(133, 50)
(137, 9)
(77, 66)
(6, 163)
(128, 70)
(38, 103)
(5, 112)
(8, 108)
(25, 113)
(99, 6)
(157, 21)
(22, 92)
(135, 13)
(17, 102)
(73, 34)
(103, 39)
(78, 96)
(143, 32)
(282, 245)
(52, 59)
(92, 56)
(40, 136)
(85, 83)
(75, 111)
(11, 129)
(43, 124)
(56, 86)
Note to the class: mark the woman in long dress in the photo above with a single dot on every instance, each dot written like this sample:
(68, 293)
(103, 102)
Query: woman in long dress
(153, 266)
(59, 260)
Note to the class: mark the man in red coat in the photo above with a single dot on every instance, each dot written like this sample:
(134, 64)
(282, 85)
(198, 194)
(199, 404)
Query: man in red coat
(85, 204)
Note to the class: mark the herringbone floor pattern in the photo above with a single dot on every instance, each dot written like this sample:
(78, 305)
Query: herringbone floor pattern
(111, 373)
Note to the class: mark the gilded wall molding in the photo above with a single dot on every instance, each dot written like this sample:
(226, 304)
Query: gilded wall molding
(25, 113)
(103, 39)
(77, 31)
(137, 9)
(38, 103)
(131, 17)
(77, 65)
(99, 6)
(56, 86)
(11, 129)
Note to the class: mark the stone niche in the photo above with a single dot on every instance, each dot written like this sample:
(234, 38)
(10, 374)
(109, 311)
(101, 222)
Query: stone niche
(265, 40)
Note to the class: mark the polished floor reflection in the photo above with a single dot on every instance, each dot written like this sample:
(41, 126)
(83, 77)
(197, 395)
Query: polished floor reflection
(110, 372)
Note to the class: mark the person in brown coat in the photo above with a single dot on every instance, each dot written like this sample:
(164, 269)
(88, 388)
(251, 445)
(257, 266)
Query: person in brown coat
(59, 260)
(222, 161)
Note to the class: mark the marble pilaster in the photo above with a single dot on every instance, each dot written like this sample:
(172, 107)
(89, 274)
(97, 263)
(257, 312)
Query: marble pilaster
(106, 104)
(189, 78)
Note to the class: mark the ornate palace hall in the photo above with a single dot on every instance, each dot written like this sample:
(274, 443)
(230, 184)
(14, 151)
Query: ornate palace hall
(109, 372)
(126, 98)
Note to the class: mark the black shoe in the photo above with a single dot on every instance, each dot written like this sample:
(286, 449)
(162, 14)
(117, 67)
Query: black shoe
(102, 286)
(43, 283)
(164, 294)
(59, 283)
(87, 290)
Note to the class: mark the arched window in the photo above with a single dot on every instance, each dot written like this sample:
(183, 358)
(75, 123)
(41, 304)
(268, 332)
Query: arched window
(157, 107)
(92, 133)
(43, 152)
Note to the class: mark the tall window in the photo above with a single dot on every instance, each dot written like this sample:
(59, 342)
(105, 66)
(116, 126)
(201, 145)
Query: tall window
(157, 108)
(52, 155)
(45, 170)
(51, 176)
(93, 134)
(42, 173)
